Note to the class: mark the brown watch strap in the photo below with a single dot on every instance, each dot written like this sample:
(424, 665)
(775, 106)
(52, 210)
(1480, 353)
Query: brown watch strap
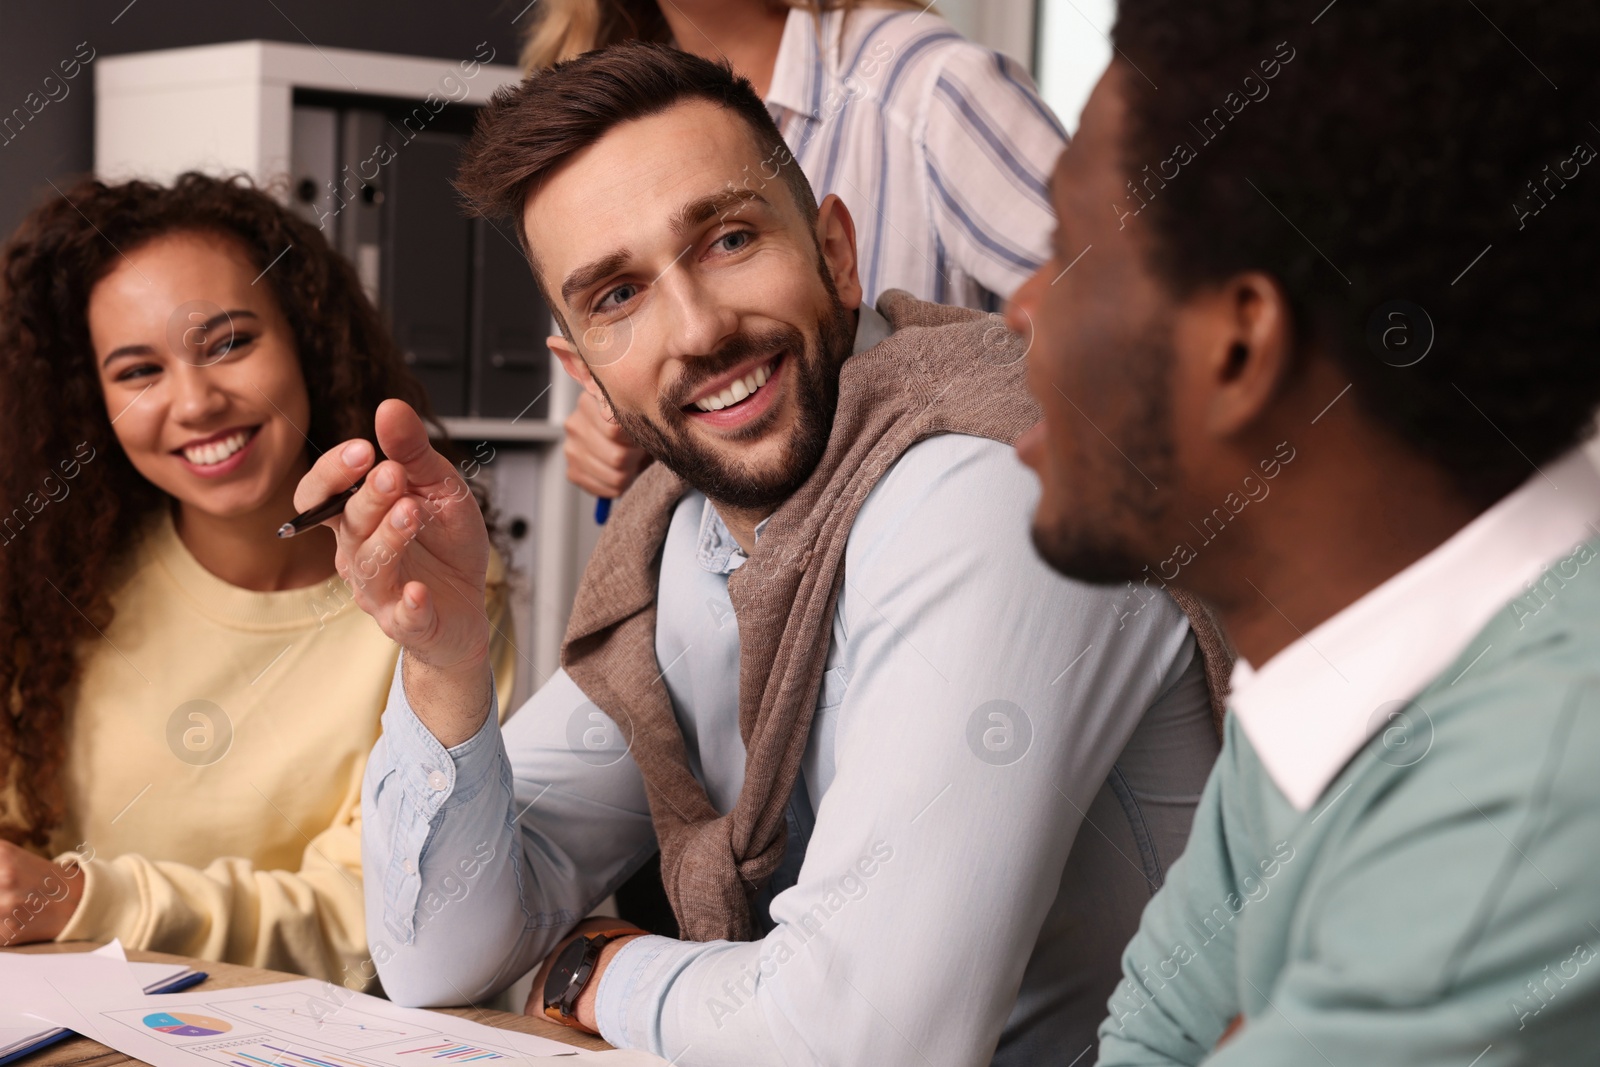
(552, 1011)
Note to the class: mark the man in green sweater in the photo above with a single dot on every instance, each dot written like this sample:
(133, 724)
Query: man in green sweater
(1319, 343)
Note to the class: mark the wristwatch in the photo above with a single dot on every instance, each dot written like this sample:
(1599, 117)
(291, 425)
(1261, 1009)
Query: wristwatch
(573, 969)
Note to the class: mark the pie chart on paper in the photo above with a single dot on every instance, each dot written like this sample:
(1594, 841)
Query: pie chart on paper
(186, 1024)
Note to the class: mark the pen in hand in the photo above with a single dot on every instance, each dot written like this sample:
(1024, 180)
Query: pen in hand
(320, 514)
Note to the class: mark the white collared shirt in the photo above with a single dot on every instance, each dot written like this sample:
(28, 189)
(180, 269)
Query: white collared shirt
(1316, 703)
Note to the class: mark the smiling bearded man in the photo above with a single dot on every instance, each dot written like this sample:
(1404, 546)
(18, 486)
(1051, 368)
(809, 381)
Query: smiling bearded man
(814, 660)
(716, 381)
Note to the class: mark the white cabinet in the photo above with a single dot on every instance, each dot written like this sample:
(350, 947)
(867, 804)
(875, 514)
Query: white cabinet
(228, 107)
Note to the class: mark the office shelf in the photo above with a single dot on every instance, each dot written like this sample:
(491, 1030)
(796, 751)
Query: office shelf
(464, 428)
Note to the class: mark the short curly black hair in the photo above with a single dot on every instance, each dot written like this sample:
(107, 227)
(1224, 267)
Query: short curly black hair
(1438, 152)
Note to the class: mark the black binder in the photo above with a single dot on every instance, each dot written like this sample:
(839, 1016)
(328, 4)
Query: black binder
(427, 248)
(510, 361)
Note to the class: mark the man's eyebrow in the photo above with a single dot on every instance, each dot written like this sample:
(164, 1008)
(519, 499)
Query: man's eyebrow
(691, 215)
(592, 272)
(698, 212)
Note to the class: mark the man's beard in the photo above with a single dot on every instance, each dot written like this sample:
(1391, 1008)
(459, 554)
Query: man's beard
(1094, 542)
(811, 370)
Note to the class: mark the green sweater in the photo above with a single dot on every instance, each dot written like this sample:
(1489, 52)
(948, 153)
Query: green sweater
(1438, 905)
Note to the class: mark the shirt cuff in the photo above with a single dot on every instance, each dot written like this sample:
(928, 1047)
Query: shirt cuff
(631, 1003)
(427, 776)
(113, 904)
(619, 990)
(430, 773)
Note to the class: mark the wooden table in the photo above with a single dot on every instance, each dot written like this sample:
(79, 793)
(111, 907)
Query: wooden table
(81, 1052)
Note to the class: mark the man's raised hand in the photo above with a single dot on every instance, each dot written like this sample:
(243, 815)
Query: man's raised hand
(414, 550)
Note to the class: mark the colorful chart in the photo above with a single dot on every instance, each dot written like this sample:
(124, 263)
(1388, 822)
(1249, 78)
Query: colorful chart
(184, 1024)
(268, 1053)
(450, 1050)
(259, 1051)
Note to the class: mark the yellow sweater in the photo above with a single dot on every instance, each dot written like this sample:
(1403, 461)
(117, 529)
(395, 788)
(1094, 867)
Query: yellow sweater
(215, 750)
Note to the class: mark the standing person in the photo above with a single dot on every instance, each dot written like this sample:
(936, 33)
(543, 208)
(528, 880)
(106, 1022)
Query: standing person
(910, 789)
(939, 147)
(1351, 345)
(192, 698)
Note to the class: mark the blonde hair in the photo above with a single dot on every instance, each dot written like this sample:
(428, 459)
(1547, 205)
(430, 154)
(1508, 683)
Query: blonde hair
(566, 28)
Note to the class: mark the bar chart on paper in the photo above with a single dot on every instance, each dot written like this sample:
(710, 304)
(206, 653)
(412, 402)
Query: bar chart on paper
(451, 1050)
(272, 1052)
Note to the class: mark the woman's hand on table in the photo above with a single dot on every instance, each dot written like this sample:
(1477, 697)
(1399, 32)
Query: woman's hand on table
(37, 896)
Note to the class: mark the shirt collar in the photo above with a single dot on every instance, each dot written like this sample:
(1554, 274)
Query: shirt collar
(871, 329)
(797, 72)
(716, 550)
(1316, 703)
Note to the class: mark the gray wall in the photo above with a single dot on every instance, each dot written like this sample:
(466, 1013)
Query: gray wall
(37, 35)
(1004, 25)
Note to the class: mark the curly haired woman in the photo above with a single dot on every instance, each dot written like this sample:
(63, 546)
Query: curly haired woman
(192, 699)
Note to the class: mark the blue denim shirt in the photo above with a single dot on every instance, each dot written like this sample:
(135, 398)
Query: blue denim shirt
(1001, 766)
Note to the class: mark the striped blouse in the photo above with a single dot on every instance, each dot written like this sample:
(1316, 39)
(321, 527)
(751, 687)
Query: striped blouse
(940, 148)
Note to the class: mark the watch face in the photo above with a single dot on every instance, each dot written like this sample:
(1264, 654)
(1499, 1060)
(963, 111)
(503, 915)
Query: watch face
(560, 980)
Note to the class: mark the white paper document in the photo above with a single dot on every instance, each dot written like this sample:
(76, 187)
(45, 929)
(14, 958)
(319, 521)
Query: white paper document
(305, 1023)
(19, 1031)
